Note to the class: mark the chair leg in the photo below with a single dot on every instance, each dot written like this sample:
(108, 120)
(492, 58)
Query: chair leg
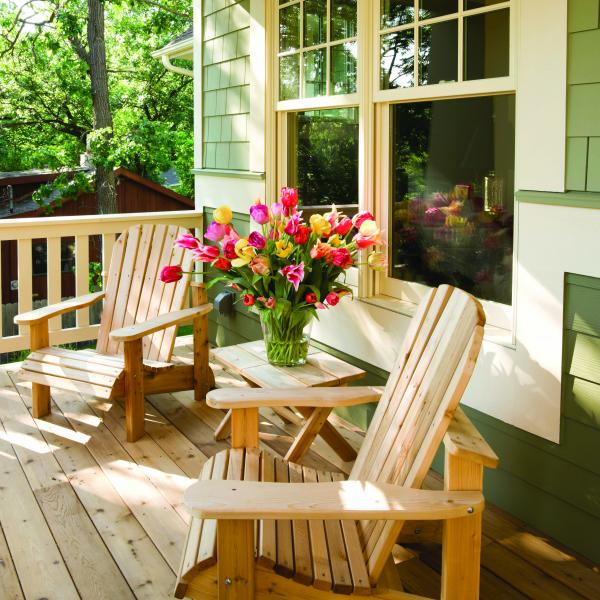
(134, 390)
(235, 566)
(40, 394)
(204, 378)
(461, 538)
(40, 400)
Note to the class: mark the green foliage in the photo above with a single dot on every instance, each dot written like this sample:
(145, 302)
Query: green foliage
(95, 277)
(67, 186)
(45, 98)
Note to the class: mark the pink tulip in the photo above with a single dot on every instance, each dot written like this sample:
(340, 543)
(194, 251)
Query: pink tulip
(216, 232)
(344, 226)
(292, 225)
(361, 217)
(271, 302)
(206, 254)
(257, 240)
(332, 298)
(187, 241)
(277, 209)
(340, 257)
(294, 274)
(259, 213)
(171, 274)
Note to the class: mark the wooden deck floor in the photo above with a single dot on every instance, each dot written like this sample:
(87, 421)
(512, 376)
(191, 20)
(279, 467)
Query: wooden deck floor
(84, 514)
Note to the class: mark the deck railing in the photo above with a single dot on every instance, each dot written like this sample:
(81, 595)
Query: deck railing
(53, 230)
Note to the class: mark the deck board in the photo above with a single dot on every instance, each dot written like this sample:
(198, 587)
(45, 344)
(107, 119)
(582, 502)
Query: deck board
(85, 514)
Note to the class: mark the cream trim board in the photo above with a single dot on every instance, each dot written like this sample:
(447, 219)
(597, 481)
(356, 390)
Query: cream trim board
(542, 95)
(198, 85)
(257, 85)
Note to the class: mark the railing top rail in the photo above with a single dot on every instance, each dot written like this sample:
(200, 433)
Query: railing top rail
(45, 227)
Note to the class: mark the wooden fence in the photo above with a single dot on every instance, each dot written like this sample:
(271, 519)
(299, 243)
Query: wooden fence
(52, 229)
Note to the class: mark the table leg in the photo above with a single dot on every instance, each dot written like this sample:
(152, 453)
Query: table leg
(223, 431)
(332, 436)
(306, 436)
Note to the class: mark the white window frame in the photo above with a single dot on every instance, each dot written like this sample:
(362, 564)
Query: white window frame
(539, 166)
(499, 315)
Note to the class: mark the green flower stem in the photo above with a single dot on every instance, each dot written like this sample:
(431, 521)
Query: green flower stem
(285, 341)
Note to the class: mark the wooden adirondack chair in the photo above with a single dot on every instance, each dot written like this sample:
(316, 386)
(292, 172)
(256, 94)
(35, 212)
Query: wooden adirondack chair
(264, 528)
(136, 336)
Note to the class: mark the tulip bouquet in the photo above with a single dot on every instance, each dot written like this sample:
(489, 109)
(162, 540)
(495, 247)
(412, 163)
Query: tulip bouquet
(286, 269)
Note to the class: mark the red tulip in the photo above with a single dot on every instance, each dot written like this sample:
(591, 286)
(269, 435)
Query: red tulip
(171, 274)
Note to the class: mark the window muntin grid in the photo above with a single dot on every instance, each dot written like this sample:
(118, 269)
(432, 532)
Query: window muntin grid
(318, 48)
(428, 42)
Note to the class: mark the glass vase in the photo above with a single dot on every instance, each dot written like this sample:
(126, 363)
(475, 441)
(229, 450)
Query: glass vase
(286, 336)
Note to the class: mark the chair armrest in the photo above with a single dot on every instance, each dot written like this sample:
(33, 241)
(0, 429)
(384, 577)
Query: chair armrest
(463, 440)
(239, 500)
(316, 397)
(140, 330)
(47, 312)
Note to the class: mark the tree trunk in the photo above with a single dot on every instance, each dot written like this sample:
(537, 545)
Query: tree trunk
(106, 189)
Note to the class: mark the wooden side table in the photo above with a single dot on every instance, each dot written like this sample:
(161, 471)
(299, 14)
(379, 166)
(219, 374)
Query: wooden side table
(249, 360)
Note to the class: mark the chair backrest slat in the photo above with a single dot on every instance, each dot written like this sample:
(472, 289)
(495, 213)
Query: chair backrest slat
(423, 391)
(134, 292)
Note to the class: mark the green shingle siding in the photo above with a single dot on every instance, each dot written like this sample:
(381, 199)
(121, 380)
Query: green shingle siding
(583, 14)
(226, 84)
(583, 115)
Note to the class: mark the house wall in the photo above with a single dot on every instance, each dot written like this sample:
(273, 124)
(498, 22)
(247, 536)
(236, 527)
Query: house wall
(226, 84)
(583, 125)
(538, 415)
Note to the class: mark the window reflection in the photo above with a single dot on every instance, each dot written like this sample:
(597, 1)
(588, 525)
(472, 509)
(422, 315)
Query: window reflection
(323, 156)
(452, 186)
(398, 59)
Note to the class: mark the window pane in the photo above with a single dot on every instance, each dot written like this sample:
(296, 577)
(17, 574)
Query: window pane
(289, 28)
(438, 53)
(315, 22)
(315, 83)
(289, 77)
(398, 59)
(343, 68)
(343, 19)
(486, 46)
(452, 194)
(323, 156)
(397, 12)
(470, 4)
(428, 9)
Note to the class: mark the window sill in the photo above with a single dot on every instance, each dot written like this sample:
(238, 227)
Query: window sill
(493, 334)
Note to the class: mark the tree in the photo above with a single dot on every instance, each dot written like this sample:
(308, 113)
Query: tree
(106, 185)
(56, 88)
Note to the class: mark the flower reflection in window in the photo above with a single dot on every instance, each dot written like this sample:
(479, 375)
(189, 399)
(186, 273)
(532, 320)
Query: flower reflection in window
(452, 194)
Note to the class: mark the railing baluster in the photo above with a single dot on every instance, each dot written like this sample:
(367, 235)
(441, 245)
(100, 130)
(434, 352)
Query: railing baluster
(54, 278)
(108, 243)
(1, 305)
(82, 272)
(24, 264)
(21, 232)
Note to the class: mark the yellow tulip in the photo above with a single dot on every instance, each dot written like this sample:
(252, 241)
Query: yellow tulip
(320, 225)
(284, 249)
(223, 215)
(245, 253)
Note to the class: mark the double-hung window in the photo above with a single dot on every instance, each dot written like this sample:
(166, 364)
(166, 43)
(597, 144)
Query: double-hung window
(410, 110)
(445, 96)
(317, 100)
